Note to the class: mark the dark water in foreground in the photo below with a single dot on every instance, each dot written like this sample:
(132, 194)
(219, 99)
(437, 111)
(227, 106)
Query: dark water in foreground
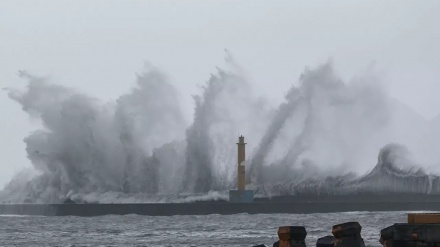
(212, 230)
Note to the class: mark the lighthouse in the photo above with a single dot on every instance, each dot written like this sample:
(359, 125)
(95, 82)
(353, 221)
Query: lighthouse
(241, 175)
(241, 195)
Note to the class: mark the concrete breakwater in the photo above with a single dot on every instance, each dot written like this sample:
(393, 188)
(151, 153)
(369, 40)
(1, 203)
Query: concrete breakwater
(421, 230)
(205, 208)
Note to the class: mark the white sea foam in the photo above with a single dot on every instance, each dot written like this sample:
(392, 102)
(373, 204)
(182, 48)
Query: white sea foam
(324, 138)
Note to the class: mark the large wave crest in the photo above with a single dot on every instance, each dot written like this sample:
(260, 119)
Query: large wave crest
(138, 148)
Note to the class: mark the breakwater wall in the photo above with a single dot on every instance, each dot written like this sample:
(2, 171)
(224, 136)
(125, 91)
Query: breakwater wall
(204, 208)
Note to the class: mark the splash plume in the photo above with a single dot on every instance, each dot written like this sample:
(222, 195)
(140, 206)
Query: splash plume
(87, 146)
(322, 139)
(225, 108)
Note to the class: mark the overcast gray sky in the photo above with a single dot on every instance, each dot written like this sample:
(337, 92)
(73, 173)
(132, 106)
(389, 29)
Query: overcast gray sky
(98, 46)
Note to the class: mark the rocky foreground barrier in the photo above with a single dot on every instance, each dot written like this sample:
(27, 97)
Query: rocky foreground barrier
(421, 230)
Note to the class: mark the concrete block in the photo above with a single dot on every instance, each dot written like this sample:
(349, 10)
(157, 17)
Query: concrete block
(423, 218)
(292, 232)
(327, 241)
(348, 235)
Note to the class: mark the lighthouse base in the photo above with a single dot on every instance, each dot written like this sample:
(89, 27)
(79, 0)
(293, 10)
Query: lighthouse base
(241, 196)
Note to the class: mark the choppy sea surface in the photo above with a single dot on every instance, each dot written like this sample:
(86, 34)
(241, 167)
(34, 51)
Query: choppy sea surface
(210, 230)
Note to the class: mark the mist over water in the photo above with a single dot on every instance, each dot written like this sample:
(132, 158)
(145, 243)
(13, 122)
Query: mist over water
(327, 137)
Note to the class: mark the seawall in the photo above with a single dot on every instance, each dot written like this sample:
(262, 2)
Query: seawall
(291, 205)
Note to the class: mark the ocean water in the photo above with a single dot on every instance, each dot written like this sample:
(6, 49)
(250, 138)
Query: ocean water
(210, 230)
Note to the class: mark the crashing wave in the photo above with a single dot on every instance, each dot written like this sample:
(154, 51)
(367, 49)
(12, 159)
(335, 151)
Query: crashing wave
(138, 148)
(394, 173)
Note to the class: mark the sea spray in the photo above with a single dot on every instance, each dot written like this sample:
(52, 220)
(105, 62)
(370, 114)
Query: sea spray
(395, 172)
(226, 108)
(323, 125)
(135, 149)
(87, 146)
